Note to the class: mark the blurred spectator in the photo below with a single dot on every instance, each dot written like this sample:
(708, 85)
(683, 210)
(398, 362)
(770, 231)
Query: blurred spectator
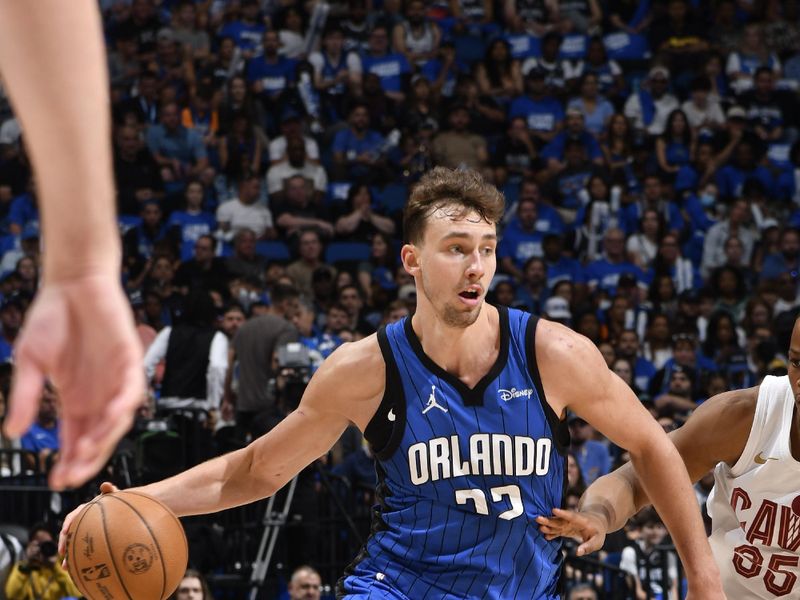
(11, 315)
(559, 72)
(521, 240)
(750, 55)
(319, 344)
(657, 347)
(39, 575)
(628, 348)
(575, 481)
(336, 73)
(246, 212)
(577, 139)
(459, 147)
(245, 262)
(537, 18)
(24, 211)
(246, 31)
(309, 260)
(596, 110)
(668, 261)
(297, 211)
(735, 225)
(352, 299)
(730, 288)
(140, 241)
(543, 114)
(609, 74)
(532, 291)
(642, 246)
(678, 39)
(786, 259)
(137, 174)
(143, 107)
(240, 148)
(305, 584)
(143, 24)
(592, 456)
(703, 112)
(42, 437)
(11, 550)
(582, 591)
(361, 220)
(296, 163)
(676, 146)
(416, 37)
(499, 75)
(204, 270)
(195, 356)
(291, 26)
(357, 149)
(604, 273)
(254, 348)
(270, 74)
(193, 586)
(678, 398)
(193, 222)
(769, 111)
(392, 68)
(647, 563)
(649, 108)
(186, 32)
(178, 150)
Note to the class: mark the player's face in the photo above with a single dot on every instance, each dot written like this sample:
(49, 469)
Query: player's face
(794, 362)
(454, 264)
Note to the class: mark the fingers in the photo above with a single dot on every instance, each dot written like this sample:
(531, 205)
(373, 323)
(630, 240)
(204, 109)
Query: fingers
(108, 488)
(25, 394)
(593, 544)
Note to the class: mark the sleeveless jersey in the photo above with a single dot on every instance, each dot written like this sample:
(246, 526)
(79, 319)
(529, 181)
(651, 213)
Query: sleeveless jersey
(755, 505)
(462, 477)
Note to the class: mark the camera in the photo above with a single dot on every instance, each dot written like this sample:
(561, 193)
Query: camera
(48, 549)
(294, 373)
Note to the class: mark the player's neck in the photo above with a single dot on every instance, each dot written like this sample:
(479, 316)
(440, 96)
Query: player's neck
(458, 349)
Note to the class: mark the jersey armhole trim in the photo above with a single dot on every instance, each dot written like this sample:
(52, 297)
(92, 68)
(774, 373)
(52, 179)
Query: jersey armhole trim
(557, 426)
(382, 432)
(751, 446)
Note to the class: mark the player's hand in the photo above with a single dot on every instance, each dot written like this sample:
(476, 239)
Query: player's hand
(584, 527)
(80, 335)
(63, 536)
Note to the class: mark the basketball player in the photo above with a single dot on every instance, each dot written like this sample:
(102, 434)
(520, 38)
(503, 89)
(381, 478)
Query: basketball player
(79, 332)
(751, 438)
(464, 407)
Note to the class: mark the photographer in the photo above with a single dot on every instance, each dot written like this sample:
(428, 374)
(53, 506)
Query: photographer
(39, 575)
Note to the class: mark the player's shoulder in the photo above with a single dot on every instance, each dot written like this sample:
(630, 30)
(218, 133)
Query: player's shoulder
(734, 406)
(352, 379)
(556, 341)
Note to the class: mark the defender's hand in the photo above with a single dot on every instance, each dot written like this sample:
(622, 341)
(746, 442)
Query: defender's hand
(584, 527)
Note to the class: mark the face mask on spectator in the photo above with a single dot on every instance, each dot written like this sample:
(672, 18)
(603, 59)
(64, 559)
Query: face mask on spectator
(707, 200)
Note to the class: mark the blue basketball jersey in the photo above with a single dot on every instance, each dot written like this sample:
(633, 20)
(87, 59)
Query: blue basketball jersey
(462, 477)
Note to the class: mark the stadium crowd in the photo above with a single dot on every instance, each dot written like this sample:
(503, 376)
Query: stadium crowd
(263, 150)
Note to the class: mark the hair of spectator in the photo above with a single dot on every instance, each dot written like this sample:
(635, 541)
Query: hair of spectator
(303, 569)
(353, 286)
(211, 239)
(582, 587)
(192, 573)
(242, 233)
(40, 526)
(233, 306)
(442, 188)
(282, 292)
(337, 306)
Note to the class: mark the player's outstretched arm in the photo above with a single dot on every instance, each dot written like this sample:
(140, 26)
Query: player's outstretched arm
(575, 376)
(716, 432)
(80, 331)
(347, 388)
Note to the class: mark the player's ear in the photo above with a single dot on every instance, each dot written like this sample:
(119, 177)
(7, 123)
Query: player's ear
(409, 254)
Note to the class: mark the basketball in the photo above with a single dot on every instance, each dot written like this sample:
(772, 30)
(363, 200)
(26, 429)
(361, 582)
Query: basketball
(126, 545)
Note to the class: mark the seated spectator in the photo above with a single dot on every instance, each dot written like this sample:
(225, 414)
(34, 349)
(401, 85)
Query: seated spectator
(11, 316)
(736, 225)
(604, 273)
(646, 561)
(499, 75)
(571, 178)
(617, 150)
(484, 113)
(319, 344)
(601, 211)
(628, 348)
(685, 354)
(537, 18)
(245, 263)
(238, 100)
(678, 39)
(139, 242)
(416, 37)
(296, 163)
(459, 146)
(270, 74)
(533, 289)
(351, 297)
(337, 73)
(575, 131)
(240, 148)
(291, 126)
(202, 116)
(24, 211)
(310, 253)
(516, 155)
(297, 211)
(361, 220)
(521, 240)
(703, 112)
(246, 212)
(192, 222)
(421, 109)
(730, 289)
(559, 266)
(582, 591)
(743, 166)
(668, 261)
(42, 437)
(748, 57)
(137, 175)
(39, 574)
(596, 110)
(676, 146)
(649, 108)
(611, 84)
(305, 584)
(543, 114)
(592, 456)
(357, 150)
(205, 270)
(642, 246)
(392, 68)
(559, 72)
(246, 30)
(178, 150)
(722, 344)
(291, 25)
(769, 111)
(662, 295)
(786, 259)
(193, 586)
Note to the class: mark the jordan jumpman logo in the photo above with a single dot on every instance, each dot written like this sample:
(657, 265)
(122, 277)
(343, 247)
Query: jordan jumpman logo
(432, 402)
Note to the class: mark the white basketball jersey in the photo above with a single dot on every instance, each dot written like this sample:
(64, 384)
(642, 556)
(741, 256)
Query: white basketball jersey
(755, 505)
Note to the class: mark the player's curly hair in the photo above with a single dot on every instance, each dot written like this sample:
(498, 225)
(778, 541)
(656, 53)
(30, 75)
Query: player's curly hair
(462, 191)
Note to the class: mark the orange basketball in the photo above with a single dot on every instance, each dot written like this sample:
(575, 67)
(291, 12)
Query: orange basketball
(126, 546)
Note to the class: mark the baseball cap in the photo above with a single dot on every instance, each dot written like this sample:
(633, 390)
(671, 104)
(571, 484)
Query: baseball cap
(557, 308)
